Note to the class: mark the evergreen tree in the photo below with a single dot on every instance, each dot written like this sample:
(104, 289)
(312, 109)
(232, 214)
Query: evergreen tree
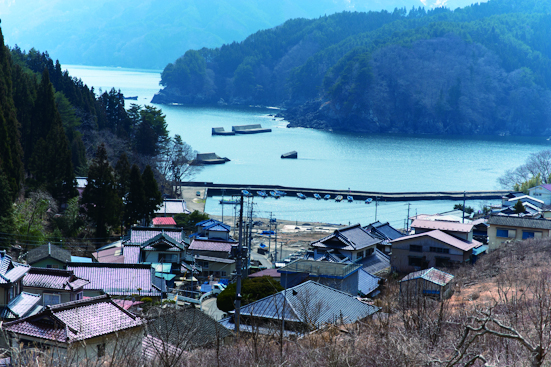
(6, 205)
(153, 196)
(519, 207)
(10, 147)
(122, 175)
(100, 198)
(134, 208)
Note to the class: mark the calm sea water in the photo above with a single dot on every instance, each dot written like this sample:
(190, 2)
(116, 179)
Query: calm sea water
(390, 163)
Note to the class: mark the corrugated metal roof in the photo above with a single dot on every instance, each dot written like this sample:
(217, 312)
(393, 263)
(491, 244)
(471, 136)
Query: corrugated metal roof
(20, 306)
(131, 254)
(53, 279)
(442, 225)
(310, 300)
(215, 259)
(173, 206)
(11, 271)
(320, 268)
(376, 263)
(138, 236)
(219, 246)
(432, 275)
(350, 238)
(367, 283)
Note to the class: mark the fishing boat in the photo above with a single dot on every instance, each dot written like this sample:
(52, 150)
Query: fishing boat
(301, 195)
(246, 193)
(274, 194)
(230, 202)
(338, 198)
(327, 197)
(262, 194)
(350, 198)
(281, 193)
(368, 200)
(317, 196)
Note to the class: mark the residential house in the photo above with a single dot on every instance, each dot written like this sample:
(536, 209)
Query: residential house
(304, 307)
(155, 245)
(54, 285)
(164, 222)
(431, 249)
(119, 279)
(463, 231)
(15, 303)
(214, 248)
(353, 242)
(48, 256)
(215, 266)
(212, 229)
(346, 277)
(429, 282)
(506, 228)
(87, 329)
(541, 192)
(171, 207)
(386, 233)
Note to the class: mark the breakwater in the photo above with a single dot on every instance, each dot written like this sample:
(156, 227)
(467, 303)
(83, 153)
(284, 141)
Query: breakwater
(215, 189)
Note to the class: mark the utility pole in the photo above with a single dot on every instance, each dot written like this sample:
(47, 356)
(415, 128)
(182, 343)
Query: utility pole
(275, 241)
(376, 204)
(464, 194)
(407, 219)
(269, 234)
(238, 266)
(250, 241)
(222, 206)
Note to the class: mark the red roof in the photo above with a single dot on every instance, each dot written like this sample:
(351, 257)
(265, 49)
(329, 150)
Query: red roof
(442, 225)
(164, 221)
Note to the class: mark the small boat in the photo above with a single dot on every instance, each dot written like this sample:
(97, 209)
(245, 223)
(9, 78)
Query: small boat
(230, 202)
(134, 98)
(262, 194)
(281, 193)
(368, 200)
(350, 198)
(338, 198)
(317, 196)
(301, 195)
(246, 193)
(274, 194)
(327, 197)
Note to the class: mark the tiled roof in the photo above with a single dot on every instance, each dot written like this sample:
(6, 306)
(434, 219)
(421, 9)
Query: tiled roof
(117, 279)
(111, 255)
(164, 241)
(443, 237)
(349, 238)
(131, 254)
(307, 299)
(375, 263)
(49, 250)
(77, 320)
(139, 236)
(442, 225)
(219, 246)
(164, 221)
(155, 348)
(495, 220)
(432, 275)
(53, 279)
(383, 231)
(198, 329)
(11, 271)
(20, 306)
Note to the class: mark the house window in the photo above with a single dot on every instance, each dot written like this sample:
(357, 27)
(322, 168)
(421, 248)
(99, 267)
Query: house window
(51, 299)
(505, 233)
(415, 261)
(360, 255)
(52, 266)
(168, 258)
(101, 350)
(223, 273)
(76, 296)
(440, 250)
(416, 248)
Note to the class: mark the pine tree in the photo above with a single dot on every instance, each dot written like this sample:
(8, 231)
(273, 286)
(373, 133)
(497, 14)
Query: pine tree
(100, 197)
(519, 207)
(6, 207)
(134, 208)
(153, 196)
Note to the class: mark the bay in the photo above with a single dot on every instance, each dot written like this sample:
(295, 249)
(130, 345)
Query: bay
(367, 162)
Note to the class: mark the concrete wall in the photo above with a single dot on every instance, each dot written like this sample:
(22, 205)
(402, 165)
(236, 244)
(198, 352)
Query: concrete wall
(513, 234)
(540, 193)
(401, 254)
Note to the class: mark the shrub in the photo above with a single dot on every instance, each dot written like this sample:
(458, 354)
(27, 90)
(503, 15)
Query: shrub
(252, 290)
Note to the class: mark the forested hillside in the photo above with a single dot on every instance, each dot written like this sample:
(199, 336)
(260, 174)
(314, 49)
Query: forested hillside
(151, 33)
(482, 69)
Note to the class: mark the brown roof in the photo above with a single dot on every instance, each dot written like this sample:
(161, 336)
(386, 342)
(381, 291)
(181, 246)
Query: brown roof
(443, 237)
(220, 246)
(442, 225)
(266, 272)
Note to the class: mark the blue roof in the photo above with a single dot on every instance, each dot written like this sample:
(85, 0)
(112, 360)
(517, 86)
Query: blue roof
(367, 283)
(296, 303)
(80, 259)
(480, 249)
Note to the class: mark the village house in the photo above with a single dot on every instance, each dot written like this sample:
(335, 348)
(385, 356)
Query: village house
(541, 192)
(87, 329)
(505, 228)
(171, 207)
(163, 222)
(303, 308)
(386, 233)
(433, 248)
(54, 285)
(52, 256)
(429, 282)
(119, 279)
(212, 229)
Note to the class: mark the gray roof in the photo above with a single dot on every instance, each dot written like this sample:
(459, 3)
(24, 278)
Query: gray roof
(23, 305)
(383, 231)
(367, 283)
(49, 250)
(349, 238)
(310, 300)
(320, 268)
(194, 327)
(519, 222)
(376, 263)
